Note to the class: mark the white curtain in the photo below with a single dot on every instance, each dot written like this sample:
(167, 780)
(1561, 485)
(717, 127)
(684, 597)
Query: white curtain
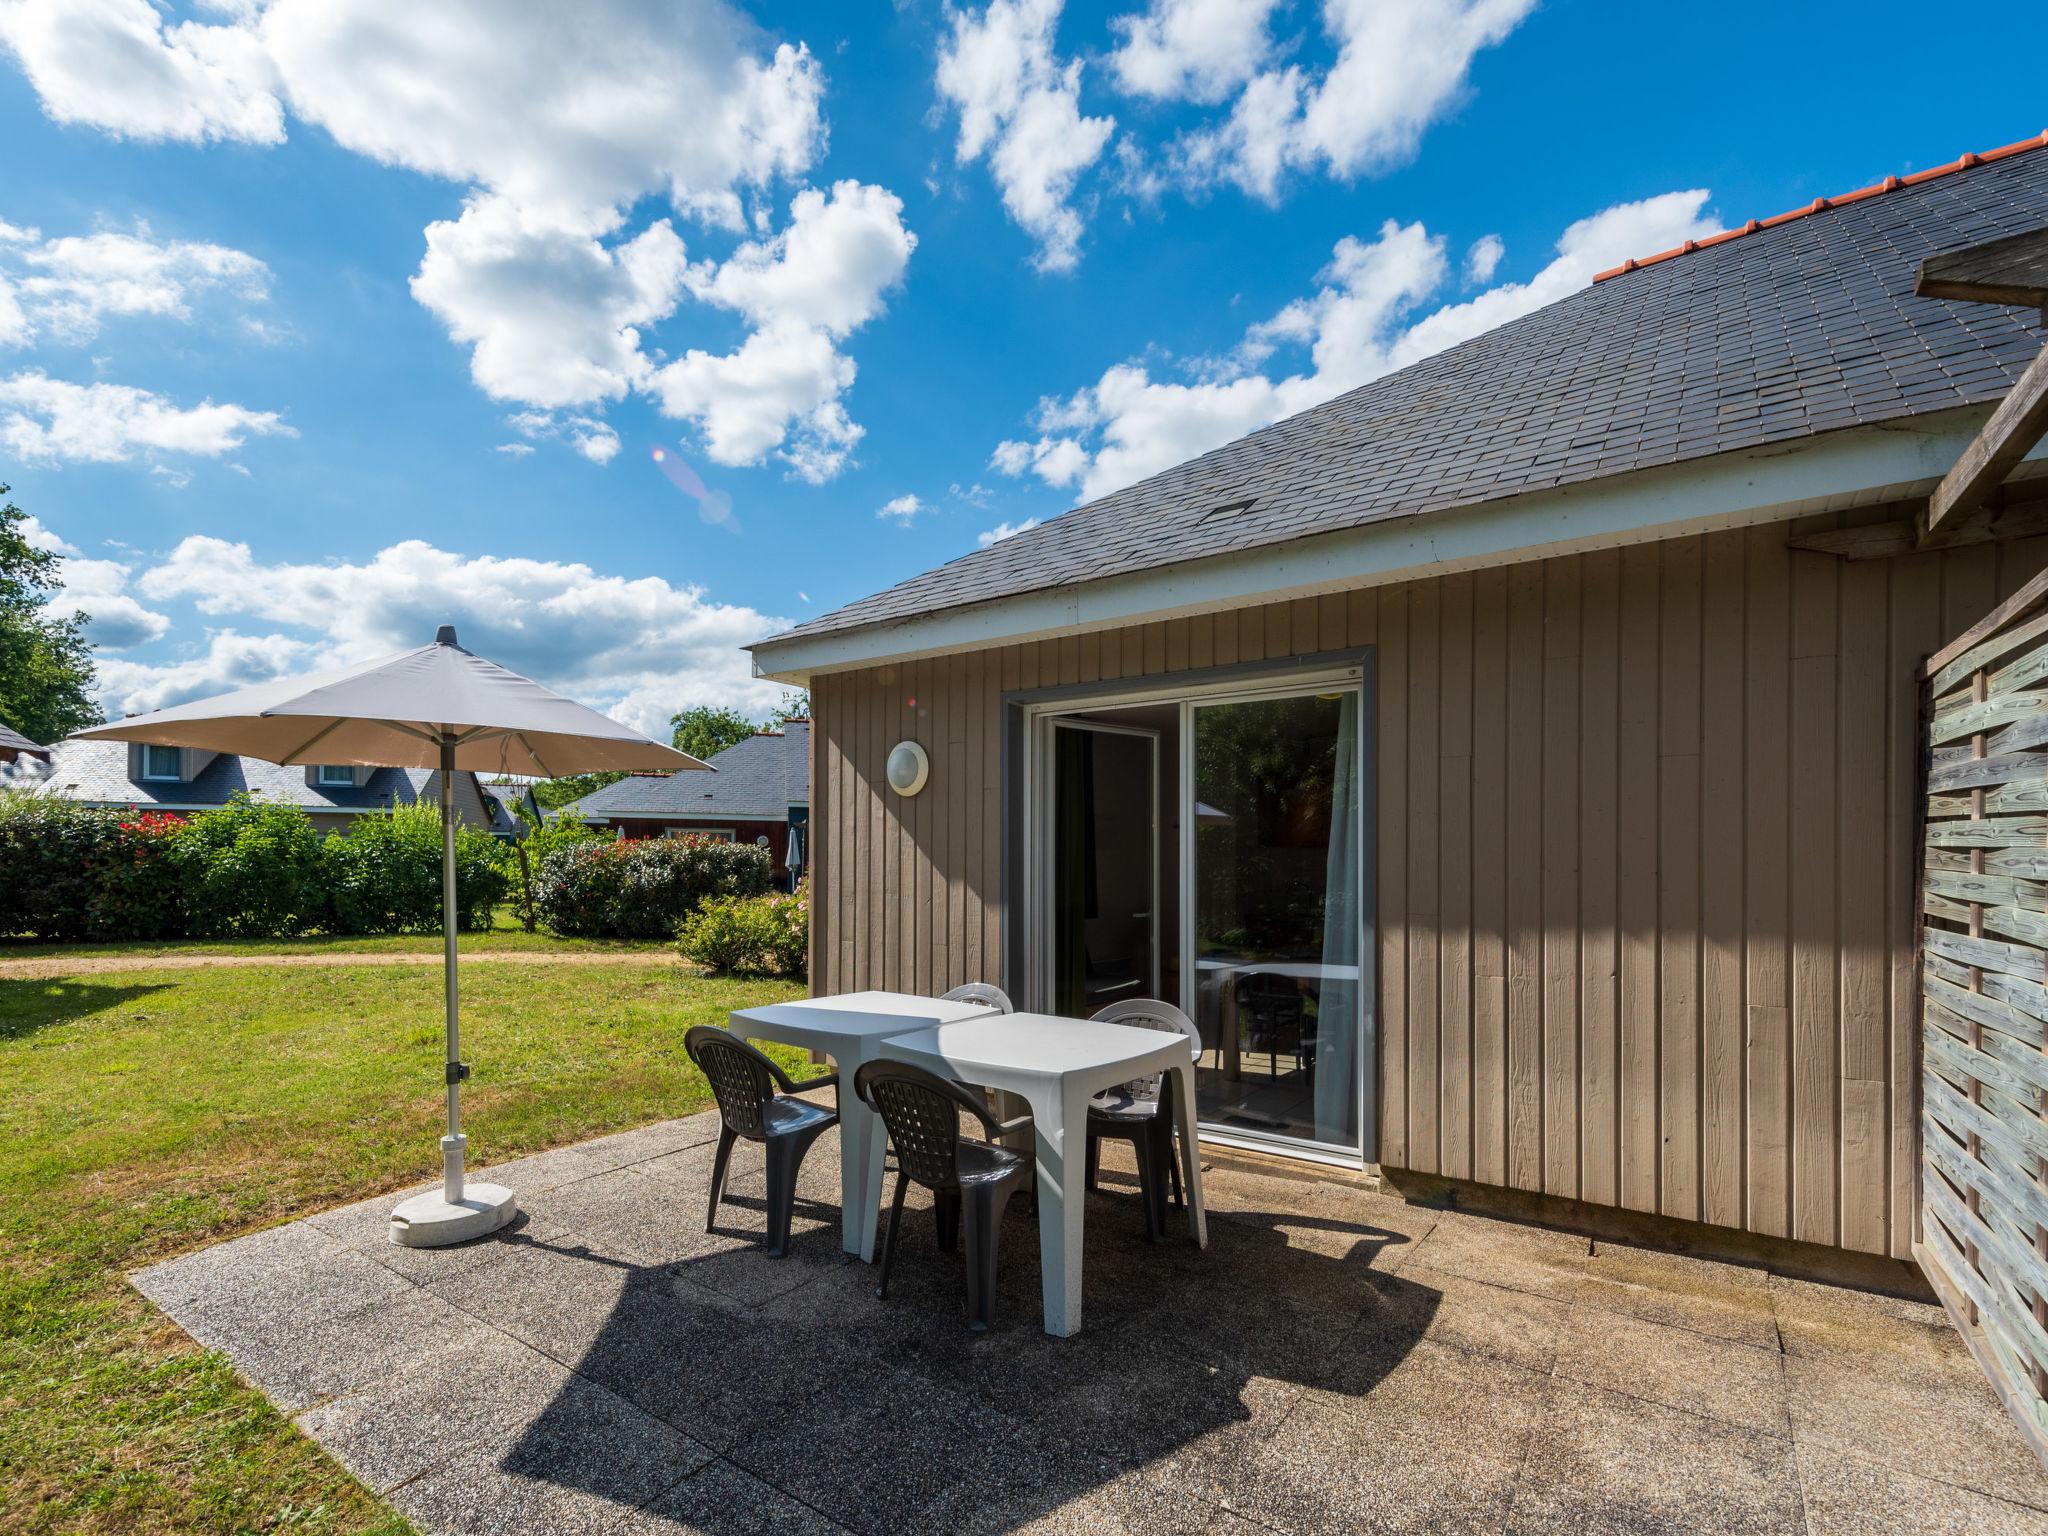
(1337, 1028)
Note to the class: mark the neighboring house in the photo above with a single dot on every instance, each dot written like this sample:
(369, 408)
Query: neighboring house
(1513, 764)
(761, 793)
(186, 779)
(14, 746)
(509, 800)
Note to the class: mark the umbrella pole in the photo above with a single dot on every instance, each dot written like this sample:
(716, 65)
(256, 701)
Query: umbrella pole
(452, 1145)
(461, 1210)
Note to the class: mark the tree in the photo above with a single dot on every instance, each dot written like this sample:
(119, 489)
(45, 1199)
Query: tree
(795, 705)
(46, 674)
(703, 730)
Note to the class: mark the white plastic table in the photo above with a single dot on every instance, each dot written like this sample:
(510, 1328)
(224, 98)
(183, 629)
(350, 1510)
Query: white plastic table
(1057, 1065)
(849, 1028)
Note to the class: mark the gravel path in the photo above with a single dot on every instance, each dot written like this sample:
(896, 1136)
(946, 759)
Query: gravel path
(93, 965)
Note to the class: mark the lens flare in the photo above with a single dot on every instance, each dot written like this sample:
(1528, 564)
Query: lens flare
(713, 507)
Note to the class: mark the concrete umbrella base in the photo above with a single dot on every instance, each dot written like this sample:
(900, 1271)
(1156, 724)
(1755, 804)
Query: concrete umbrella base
(433, 1221)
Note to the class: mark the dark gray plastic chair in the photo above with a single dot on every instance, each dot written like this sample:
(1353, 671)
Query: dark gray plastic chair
(974, 1178)
(1141, 1112)
(756, 1102)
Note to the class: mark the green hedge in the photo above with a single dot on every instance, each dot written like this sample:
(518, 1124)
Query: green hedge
(247, 870)
(385, 876)
(643, 888)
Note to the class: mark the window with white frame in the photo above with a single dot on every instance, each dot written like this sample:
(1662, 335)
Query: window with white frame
(715, 834)
(161, 763)
(334, 776)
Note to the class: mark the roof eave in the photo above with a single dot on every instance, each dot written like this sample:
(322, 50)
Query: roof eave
(1851, 466)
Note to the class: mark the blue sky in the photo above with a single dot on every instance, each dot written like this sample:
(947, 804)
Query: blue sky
(320, 323)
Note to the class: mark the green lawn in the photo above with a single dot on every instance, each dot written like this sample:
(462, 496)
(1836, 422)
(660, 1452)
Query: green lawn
(144, 1113)
(507, 937)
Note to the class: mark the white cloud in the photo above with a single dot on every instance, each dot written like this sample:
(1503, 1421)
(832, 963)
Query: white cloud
(590, 436)
(557, 123)
(824, 275)
(781, 387)
(98, 589)
(637, 648)
(46, 420)
(229, 660)
(1483, 259)
(902, 510)
(67, 285)
(1003, 531)
(113, 64)
(828, 268)
(1191, 50)
(1400, 65)
(1359, 324)
(551, 313)
(1021, 106)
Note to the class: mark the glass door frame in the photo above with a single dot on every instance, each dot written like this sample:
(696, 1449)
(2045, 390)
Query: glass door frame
(1038, 714)
(1044, 979)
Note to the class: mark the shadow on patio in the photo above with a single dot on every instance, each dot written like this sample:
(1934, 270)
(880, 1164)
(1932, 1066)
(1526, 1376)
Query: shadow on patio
(890, 1416)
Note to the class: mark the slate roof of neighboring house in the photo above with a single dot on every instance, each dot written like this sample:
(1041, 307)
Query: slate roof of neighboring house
(1795, 328)
(504, 798)
(758, 779)
(97, 772)
(12, 739)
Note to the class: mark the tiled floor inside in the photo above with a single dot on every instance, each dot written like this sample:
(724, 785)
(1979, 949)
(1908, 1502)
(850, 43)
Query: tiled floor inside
(1336, 1360)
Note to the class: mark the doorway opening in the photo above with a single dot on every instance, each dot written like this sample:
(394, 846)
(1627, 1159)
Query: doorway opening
(1209, 848)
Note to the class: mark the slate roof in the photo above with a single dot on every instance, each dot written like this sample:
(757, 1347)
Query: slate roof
(758, 779)
(97, 772)
(13, 740)
(1795, 329)
(506, 797)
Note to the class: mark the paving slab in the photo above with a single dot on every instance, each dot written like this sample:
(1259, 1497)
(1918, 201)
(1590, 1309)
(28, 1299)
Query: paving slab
(1605, 1461)
(588, 1460)
(1676, 1367)
(1844, 1495)
(1725, 1301)
(1515, 1258)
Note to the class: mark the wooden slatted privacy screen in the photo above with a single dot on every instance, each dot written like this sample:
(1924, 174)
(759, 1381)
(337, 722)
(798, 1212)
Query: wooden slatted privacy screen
(1984, 902)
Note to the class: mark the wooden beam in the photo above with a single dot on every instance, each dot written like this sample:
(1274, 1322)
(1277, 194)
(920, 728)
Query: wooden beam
(1901, 535)
(2013, 270)
(2027, 597)
(2014, 428)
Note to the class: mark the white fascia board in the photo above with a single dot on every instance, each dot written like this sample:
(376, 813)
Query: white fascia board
(1857, 466)
(720, 818)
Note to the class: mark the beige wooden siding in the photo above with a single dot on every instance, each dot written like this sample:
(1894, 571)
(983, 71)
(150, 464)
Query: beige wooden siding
(1645, 872)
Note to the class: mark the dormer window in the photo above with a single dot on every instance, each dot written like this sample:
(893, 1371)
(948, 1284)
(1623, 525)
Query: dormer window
(160, 763)
(334, 776)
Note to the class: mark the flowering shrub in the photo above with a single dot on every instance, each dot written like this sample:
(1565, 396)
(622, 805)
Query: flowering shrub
(77, 872)
(385, 876)
(750, 934)
(642, 889)
(526, 858)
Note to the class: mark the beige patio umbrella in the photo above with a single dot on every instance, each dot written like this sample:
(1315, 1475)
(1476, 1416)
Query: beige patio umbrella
(434, 707)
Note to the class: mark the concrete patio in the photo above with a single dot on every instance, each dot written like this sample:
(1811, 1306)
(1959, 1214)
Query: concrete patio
(1336, 1361)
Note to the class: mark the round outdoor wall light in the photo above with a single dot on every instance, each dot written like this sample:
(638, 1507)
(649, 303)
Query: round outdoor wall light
(909, 767)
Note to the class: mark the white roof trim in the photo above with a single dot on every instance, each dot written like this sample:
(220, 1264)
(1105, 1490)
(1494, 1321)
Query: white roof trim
(1832, 471)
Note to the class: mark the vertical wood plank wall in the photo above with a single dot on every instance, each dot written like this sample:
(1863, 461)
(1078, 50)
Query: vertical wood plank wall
(1646, 859)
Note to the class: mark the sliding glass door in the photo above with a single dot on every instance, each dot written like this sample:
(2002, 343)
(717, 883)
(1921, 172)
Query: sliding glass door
(1210, 847)
(1276, 914)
